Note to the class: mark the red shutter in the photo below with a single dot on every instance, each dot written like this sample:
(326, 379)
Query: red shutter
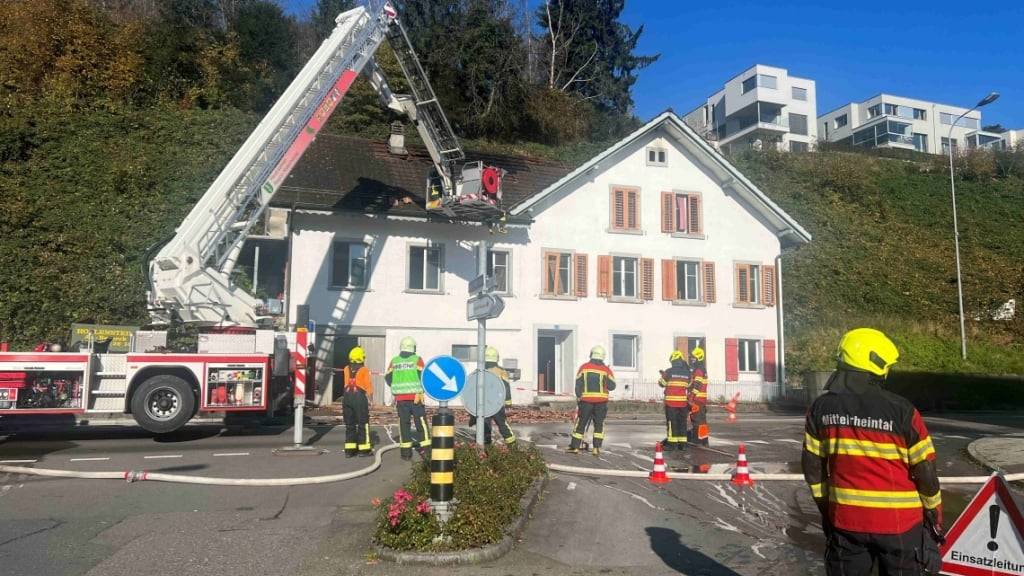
(668, 279)
(618, 209)
(709, 282)
(768, 285)
(696, 224)
(769, 360)
(632, 210)
(604, 276)
(647, 278)
(668, 212)
(682, 343)
(732, 360)
(581, 275)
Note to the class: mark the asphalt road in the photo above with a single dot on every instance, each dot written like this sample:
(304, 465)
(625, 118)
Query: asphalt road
(584, 526)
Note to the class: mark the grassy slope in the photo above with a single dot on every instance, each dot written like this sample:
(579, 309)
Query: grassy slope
(90, 191)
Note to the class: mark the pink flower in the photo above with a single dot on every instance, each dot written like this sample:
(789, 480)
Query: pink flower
(403, 495)
(395, 510)
(423, 507)
(375, 502)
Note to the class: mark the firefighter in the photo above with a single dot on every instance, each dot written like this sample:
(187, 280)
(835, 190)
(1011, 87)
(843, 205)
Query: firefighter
(698, 398)
(356, 404)
(870, 465)
(405, 377)
(593, 382)
(501, 419)
(676, 382)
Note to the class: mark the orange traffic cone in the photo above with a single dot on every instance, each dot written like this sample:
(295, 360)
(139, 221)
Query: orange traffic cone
(731, 405)
(741, 477)
(731, 417)
(658, 475)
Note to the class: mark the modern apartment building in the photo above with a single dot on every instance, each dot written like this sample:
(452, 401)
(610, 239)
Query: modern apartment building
(887, 121)
(760, 107)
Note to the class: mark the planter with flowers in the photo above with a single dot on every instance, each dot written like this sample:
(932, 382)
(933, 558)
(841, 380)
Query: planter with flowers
(495, 490)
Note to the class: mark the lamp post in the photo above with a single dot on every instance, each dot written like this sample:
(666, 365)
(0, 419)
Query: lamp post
(992, 96)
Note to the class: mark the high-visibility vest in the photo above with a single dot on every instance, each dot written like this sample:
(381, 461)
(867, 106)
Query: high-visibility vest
(405, 375)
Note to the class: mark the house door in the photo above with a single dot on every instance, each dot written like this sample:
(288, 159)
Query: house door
(554, 361)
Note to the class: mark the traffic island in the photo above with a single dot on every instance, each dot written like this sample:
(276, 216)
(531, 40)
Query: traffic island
(495, 490)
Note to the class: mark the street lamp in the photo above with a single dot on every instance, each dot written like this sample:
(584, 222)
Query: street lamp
(992, 96)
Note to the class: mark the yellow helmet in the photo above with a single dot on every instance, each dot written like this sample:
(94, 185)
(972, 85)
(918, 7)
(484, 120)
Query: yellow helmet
(698, 354)
(676, 355)
(597, 353)
(868, 350)
(357, 355)
(407, 345)
(491, 354)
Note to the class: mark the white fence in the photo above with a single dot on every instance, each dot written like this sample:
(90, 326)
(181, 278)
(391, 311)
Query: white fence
(718, 391)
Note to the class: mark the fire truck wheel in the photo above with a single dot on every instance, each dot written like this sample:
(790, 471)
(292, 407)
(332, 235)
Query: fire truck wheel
(163, 403)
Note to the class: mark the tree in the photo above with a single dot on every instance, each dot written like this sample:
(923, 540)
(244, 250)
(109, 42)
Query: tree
(997, 128)
(321, 18)
(589, 52)
(267, 45)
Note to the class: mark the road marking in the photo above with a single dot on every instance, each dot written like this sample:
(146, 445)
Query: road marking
(88, 459)
(18, 461)
(757, 442)
(551, 446)
(957, 436)
(621, 445)
(233, 454)
(571, 486)
(162, 456)
(790, 440)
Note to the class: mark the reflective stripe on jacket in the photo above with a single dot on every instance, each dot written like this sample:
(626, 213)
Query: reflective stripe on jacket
(593, 382)
(676, 382)
(699, 387)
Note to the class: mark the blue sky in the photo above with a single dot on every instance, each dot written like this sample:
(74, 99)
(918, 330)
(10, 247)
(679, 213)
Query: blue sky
(943, 51)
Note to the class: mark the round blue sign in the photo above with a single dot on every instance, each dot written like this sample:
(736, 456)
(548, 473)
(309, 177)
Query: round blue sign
(444, 377)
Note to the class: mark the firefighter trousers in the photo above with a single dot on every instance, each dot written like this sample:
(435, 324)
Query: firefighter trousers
(503, 428)
(675, 426)
(699, 426)
(587, 413)
(355, 409)
(856, 553)
(411, 412)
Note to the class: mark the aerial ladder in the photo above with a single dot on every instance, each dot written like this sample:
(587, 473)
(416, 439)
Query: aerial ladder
(190, 278)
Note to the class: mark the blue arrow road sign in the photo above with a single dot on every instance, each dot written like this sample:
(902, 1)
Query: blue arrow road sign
(444, 377)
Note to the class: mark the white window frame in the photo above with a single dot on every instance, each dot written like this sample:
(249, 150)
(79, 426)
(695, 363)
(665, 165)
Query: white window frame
(464, 352)
(348, 243)
(846, 121)
(570, 293)
(426, 246)
(743, 355)
(660, 156)
(802, 90)
(508, 268)
(636, 350)
(699, 297)
(636, 278)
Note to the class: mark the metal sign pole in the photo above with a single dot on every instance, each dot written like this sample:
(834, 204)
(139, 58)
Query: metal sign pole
(481, 344)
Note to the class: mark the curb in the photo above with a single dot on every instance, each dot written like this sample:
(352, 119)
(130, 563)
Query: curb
(972, 451)
(474, 555)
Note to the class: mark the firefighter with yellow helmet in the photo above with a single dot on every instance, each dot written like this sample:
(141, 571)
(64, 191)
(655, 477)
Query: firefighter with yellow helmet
(594, 381)
(676, 382)
(355, 404)
(870, 464)
(698, 396)
(491, 359)
(405, 377)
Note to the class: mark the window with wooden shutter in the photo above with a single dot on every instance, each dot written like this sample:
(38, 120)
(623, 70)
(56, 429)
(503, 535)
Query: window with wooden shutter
(668, 220)
(693, 212)
(709, 282)
(647, 278)
(742, 283)
(558, 274)
(604, 276)
(581, 275)
(769, 361)
(625, 209)
(681, 213)
(668, 280)
(748, 284)
(768, 285)
(682, 344)
(732, 360)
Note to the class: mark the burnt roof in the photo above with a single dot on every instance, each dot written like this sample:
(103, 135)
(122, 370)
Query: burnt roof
(348, 173)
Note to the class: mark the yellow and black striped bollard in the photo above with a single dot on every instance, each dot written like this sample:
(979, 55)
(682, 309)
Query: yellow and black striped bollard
(442, 464)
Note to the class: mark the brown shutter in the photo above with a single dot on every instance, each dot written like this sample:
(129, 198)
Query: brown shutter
(694, 212)
(768, 285)
(682, 343)
(632, 210)
(668, 279)
(647, 278)
(668, 212)
(581, 275)
(618, 209)
(550, 272)
(604, 276)
(742, 283)
(709, 282)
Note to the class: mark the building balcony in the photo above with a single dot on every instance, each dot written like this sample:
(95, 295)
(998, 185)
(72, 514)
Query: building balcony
(983, 139)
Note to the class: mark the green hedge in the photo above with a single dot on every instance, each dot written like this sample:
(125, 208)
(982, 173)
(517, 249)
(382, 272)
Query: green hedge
(488, 486)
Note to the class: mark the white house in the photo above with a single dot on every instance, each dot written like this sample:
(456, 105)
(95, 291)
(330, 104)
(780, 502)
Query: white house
(654, 244)
(761, 106)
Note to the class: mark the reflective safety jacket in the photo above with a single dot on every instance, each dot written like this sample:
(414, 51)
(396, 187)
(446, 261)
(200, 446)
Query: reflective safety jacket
(868, 452)
(357, 376)
(403, 375)
(698, 387)
(593, 382)
(676, 382)
(501, 373)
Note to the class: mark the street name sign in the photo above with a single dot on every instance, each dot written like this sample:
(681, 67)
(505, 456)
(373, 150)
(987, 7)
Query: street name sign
(484, 307)
(482, 283)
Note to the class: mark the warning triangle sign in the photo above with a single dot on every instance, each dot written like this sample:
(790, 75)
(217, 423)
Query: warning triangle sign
(988, 538)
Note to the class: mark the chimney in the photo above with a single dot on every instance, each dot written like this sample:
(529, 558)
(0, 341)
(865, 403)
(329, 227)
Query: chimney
(396, 141)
